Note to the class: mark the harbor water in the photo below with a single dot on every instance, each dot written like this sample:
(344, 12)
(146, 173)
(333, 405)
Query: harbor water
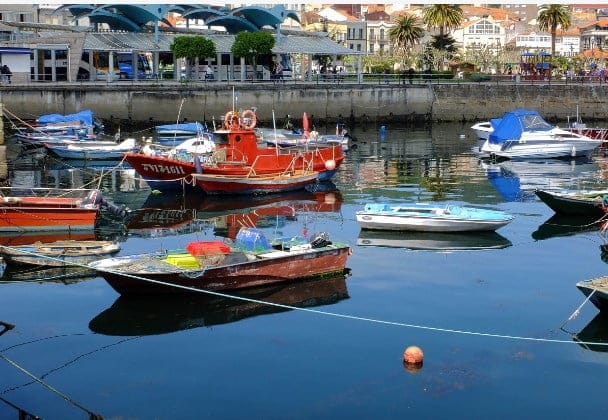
(490, 312)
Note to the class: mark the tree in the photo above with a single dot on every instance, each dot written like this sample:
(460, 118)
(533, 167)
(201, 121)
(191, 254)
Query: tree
(552, 16)
(406, 33)
(250, 45)
(443, 16)
(192, 48)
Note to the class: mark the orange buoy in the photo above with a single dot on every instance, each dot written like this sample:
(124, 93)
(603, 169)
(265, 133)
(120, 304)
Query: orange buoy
(413, 355)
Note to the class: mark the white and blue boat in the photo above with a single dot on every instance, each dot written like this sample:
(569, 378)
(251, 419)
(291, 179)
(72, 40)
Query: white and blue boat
(431, 217)
(524, 134)
(93, 152)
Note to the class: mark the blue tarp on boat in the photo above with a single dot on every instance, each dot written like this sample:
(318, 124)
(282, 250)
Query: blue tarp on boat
(85, 117)
(192, 128)
(514, 123)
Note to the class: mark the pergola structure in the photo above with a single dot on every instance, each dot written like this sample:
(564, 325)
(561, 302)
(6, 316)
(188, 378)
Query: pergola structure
(136, 29)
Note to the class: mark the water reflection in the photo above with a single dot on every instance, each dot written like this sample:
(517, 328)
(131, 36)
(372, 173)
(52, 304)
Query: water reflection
(173, 213)
(151, 315)
(65, 275)
(596, 331)
(433, 240)
(566, 225)
(517, 180)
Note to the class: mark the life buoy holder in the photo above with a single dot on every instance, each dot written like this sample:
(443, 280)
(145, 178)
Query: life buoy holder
(248, 119)
(232, 120)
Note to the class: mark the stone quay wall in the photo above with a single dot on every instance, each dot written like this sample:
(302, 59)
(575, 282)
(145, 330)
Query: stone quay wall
(354, 103)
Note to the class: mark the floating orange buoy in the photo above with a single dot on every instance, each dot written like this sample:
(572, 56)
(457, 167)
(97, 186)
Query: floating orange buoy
(413, 355)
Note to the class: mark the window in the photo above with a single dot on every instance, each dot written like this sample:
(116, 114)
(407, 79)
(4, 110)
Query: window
(361, 33)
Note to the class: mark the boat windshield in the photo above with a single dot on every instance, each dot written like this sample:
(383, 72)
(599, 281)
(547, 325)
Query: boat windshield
(534, 122)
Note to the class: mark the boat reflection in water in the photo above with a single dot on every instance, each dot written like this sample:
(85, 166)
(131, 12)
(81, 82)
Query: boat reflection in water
(171, 213)
(151, 315)
(596, 331)
(516, 180)
(433, 241)
(65, 275)
(566, 225)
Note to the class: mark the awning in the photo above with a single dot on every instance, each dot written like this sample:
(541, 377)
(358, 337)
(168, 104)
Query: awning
(9, 50)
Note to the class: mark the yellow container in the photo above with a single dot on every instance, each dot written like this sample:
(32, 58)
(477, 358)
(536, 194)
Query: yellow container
(185, 261)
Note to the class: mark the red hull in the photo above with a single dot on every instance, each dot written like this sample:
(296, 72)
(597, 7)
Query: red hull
(237, 153)
(220, 184)
(235, 276)
(15, 220)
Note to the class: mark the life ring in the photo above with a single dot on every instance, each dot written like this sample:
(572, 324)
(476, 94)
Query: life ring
(249, 119)
(231, 120)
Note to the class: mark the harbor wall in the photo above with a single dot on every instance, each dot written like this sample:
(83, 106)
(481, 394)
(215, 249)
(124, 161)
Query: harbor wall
(366, 103)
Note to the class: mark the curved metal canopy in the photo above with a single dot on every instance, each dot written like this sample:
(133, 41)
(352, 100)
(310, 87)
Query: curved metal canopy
(135, 17)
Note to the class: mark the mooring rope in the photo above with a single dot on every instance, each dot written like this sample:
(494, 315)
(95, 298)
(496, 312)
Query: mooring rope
(345, 316)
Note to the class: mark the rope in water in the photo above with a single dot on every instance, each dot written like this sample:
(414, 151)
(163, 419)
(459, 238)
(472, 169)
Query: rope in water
(353, 317)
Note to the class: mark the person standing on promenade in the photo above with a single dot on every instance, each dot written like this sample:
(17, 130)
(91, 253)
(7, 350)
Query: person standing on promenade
(6, 73)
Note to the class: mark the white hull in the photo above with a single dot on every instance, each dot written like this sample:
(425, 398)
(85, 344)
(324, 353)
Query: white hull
(425, 224)
(550, 147)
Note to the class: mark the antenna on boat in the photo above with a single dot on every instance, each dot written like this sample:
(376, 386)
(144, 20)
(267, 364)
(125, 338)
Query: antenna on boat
(274, 126)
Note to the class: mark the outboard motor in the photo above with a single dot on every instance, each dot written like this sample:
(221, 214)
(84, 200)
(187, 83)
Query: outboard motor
(320, 240)
(114, 209)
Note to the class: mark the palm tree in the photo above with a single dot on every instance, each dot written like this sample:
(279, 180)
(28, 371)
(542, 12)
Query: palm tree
(443, 16)
(406, 32)
(552, 16)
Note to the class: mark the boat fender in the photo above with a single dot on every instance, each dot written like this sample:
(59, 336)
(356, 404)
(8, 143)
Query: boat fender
(605, 201)
(249, 119)
(198, 168)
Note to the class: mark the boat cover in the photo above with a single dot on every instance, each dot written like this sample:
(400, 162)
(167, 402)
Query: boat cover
(194, 128)
(85, 117)
(514, 123)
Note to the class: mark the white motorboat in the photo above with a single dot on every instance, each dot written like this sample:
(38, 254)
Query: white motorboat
(430, 217)
(482, 129)
(524, 134)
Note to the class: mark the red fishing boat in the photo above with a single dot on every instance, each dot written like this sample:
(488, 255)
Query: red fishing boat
(255, 184)
(48, 209)
(237, 153)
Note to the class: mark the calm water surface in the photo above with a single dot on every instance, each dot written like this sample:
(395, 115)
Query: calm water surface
(487, 317)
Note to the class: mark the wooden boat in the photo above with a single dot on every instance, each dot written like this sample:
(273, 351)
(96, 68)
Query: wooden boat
(50, 209)
(59, 253)
(249, 261)
(430, 217)
(575, 203)
(255, 184)
(237, 153)
(66, 275)
(596, 291)
(151, 315)
(433, 241)
(92, 151)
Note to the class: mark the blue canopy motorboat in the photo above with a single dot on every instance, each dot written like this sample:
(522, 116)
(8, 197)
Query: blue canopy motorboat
(524, 134)
(431, 217)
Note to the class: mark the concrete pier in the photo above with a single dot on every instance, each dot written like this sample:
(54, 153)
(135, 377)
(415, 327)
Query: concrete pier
(437, 102)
